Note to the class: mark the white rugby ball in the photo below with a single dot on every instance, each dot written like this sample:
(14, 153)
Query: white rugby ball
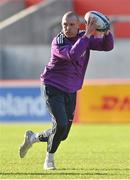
(102, 23)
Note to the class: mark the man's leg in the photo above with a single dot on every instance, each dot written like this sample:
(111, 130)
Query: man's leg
(60, 130)
(55, 100)
(30, 138)
(56, 104)
(70, 105)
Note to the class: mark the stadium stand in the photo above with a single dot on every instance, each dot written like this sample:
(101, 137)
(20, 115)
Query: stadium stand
(25, 34)
(29, 3)
(10, 7)
(120, 8)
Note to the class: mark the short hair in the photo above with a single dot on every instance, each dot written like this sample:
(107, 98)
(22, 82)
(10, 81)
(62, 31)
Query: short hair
(70, 14)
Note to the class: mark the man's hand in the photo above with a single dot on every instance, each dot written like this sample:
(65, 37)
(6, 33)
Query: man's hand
(106, 32)
(91, 27)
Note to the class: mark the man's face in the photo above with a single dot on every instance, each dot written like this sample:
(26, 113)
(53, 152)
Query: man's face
(70, 26)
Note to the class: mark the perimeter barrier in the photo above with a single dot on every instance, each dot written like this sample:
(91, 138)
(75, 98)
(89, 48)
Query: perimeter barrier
(99, 101)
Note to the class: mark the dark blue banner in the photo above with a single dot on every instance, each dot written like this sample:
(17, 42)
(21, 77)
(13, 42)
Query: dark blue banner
(22, 104)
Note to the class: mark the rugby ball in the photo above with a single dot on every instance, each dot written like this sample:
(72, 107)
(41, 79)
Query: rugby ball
(103, 23)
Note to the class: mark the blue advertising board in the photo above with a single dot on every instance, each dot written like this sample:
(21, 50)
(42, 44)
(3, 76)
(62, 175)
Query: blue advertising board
(22, 103)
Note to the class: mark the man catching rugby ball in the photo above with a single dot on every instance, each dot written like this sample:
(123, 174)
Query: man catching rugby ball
(61, 79)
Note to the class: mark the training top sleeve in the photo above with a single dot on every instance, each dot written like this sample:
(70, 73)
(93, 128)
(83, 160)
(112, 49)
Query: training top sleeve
(106, 43)
(69, 51)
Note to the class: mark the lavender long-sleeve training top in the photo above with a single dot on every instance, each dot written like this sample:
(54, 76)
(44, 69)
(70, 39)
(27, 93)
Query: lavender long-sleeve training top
(69, 60)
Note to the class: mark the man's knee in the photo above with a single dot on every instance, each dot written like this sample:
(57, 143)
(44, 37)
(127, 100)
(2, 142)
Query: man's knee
(62, 130)
(64, 137)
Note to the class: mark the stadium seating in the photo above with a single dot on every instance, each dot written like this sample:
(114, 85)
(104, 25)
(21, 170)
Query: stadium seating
(10, 7)
(31, 2)
(110, 8)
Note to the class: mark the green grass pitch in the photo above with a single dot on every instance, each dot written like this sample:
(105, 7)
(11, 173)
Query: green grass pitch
(92, 151)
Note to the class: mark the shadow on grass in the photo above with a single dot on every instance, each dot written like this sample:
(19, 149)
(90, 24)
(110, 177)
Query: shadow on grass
(51, 173)
(64, 172)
